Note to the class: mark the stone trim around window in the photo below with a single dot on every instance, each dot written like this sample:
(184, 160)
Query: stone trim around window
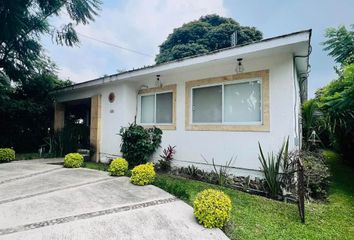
(264, 127)
(172, 88)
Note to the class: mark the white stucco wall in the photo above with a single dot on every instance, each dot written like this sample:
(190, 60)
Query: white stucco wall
(221, 145)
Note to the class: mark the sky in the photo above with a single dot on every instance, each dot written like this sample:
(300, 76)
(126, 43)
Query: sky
(142, 25)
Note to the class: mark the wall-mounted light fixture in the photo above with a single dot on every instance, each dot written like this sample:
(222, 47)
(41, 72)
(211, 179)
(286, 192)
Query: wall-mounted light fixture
(239, 67)
(158, 82)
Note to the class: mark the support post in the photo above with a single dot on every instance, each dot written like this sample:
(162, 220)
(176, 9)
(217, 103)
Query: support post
(95, 126)
(59, 113)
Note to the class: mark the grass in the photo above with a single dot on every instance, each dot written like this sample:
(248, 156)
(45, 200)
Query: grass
(96, 166)
(256, 217)
(30, 156)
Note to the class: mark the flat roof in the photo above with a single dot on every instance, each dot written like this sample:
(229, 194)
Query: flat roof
(268, 43)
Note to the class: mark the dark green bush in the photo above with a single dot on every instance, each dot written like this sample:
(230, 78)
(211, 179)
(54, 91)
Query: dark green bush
(316, 175)
(7, 154)
(138, 143)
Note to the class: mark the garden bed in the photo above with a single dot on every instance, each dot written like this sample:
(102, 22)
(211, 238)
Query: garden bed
(256, 217)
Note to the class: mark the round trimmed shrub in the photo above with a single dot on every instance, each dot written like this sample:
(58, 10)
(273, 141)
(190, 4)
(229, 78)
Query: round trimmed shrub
(212, 208)
(118, 167)
(7, 154)
(73, 160)
(143, 174)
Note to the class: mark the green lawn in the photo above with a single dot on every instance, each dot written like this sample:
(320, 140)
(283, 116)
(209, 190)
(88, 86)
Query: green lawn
(30, 156)
(257, 217)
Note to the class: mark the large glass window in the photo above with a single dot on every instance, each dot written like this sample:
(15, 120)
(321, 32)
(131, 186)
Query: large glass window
(235, 103)
(156, 108)
(207, 104)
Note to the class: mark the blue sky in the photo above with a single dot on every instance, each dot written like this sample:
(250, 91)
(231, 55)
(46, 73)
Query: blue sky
(144, 24)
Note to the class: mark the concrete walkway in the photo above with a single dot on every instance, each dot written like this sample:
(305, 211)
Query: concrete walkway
(42, 200)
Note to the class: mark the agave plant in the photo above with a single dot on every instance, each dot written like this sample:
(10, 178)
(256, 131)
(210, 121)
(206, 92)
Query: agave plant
(272, 165)
(221, 172)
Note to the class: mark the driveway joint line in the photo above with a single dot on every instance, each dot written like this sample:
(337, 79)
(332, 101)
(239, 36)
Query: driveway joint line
(83, 216)
(29, 175)
(54, 190)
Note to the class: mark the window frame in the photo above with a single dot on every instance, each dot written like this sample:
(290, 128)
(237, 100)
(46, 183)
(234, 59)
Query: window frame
(263, 126)
(153, 92)
(222, 84)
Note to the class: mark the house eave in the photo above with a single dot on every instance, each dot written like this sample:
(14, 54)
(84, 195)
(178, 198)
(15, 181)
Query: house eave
(251, 48)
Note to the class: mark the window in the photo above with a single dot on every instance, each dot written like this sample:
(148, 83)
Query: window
(156, 108)
(228, 103)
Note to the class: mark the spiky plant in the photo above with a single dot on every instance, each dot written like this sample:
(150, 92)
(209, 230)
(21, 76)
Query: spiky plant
(272, 165)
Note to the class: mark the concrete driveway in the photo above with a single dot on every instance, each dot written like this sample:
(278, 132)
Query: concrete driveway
(41, 200)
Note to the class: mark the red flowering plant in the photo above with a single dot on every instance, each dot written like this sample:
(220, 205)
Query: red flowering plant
(166, 158)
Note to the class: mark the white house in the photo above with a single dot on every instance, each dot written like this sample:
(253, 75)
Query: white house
(206, 105)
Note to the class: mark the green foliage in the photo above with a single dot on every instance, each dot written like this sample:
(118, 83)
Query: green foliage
(176, 189)
(7, 154)
(26, 112)
(212, 208)
(336, 102)
(138, 143)
(24, 21)
(69, 139)
(220, 172)
(340, 44)
(118, 167)
(209, 33)
(316, 175)
(73, 160)
(257, 217)
(271, 166)
(143, 174)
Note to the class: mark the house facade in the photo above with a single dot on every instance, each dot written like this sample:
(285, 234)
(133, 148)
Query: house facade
(218, 105)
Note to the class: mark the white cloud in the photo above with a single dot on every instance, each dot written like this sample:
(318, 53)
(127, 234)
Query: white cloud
(138, 24)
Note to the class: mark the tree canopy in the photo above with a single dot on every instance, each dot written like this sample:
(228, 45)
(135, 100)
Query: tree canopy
(331, 113)
(209, 33)
(340, 44)
(27, 76)
(23, 22)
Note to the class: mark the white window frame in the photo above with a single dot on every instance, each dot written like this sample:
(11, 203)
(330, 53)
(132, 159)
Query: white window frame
(140, 109)
(222, 84)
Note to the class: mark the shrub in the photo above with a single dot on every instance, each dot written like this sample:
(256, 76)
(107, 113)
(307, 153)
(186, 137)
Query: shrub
(316, 175)
(212, 208)
(118, 167)
(138, 143)
(7, 154)
(166, 158)
(73, 160)
(143, 174)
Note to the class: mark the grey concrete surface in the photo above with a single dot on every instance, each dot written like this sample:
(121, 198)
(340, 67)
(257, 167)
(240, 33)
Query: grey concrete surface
(39, 200)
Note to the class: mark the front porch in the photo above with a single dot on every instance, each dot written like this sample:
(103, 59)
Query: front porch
(84, 116)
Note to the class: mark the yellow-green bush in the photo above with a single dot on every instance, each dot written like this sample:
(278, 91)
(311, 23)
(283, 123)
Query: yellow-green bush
(118, 167)
(73, 160)
(143, 174)
(212, 208)
(7, 154)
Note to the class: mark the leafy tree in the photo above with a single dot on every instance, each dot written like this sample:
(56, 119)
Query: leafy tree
(26, 112)
(209, 33)
(24, 21)
(332, 111)
(336, 102)
(340, 44)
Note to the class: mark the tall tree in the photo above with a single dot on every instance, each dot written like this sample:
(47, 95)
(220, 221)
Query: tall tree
(209, 33)
(24, 21)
